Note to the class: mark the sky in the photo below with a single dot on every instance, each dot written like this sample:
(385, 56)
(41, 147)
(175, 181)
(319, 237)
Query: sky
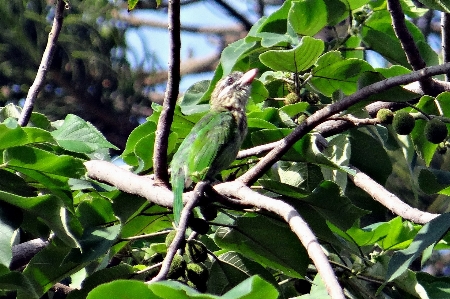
(154, 40)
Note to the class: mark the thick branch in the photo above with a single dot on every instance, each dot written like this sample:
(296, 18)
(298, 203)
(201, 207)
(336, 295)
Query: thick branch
(166, 118)
(321, 115)
(44, 66)
(298, 226)
(389, 200)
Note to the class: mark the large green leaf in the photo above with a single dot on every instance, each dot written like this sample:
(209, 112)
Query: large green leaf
(333, 73)
(10, 221)
(377, 32)
(13, 281)
(47, 267)
(282, 251)
(80, 136)
(231, 268)
(364, 147)
(428, 235)
(298, 59)
(14, 135)
(51, 211)
(25, 157)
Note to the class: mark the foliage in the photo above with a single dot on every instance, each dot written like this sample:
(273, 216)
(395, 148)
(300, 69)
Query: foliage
(91, 226)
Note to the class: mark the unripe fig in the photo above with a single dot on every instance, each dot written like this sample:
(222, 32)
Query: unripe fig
(403, 123)
(435, 131)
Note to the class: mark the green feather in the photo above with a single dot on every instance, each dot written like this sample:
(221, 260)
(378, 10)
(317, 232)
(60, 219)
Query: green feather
(213, 143)
(210, 147)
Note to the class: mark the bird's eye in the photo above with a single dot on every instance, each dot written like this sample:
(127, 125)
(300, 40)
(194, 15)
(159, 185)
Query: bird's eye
(230, 80)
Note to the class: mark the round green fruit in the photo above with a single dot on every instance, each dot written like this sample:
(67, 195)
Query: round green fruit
(435, 131)
(403, 123)
(169, 238)
(197, 273)
(196, 251)
(385, 116)
(199, 225)
(177, 267)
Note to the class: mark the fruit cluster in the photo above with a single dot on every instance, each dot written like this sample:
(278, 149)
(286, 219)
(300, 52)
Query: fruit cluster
(189, 268)
(403, 123)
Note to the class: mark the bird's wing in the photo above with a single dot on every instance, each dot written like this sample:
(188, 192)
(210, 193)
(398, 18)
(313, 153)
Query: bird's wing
(199, 151)
(212, 148)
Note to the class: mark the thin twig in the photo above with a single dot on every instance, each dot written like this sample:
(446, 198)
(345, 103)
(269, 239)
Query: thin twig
(235, 14)
(321, 115)
(44, 66)
(181, 231)
(166, 117)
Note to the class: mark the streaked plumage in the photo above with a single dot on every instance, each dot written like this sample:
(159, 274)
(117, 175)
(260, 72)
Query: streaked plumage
(213, 143)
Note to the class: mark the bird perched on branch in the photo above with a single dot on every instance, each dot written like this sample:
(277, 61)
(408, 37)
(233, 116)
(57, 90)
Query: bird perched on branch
(213, 143)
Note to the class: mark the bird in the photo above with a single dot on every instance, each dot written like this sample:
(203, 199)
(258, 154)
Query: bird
(214, 142)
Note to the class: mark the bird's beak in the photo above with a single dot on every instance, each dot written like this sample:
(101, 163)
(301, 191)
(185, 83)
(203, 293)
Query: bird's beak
(248, 77)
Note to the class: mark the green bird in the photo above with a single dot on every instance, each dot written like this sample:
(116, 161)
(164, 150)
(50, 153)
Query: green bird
(213, 143)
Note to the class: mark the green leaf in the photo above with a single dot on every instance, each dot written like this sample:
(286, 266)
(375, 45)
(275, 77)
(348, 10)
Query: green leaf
(318, 290)
(295, 109)
(423, 147)
(308, 17)
(47, 267)
(193, 97)
(142, 131)
(15, 136)
(433, 181)
(337, 209)
(122, 271)
(429, 234)
(298, 59)
(250, 239)
(80, 136)
(435, 287)
(377, 32)
(260, 124)
(283, 189)
(393, 94)
(333, 73)
(24, 157)
(50, 209)
(443, 6)
(364, 146)
(252, 288)
(120, 289)
(10, 220)
(230, 269)
(17, 281)
(233, 53)
(94, 243)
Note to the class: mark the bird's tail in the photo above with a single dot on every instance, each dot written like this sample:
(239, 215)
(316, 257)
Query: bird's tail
(177, 189)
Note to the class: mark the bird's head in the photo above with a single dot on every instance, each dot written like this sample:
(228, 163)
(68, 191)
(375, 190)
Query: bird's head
(232, 92)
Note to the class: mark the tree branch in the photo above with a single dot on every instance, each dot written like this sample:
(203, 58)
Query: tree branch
(235, 14)
(321, 115)
(44, 66)
(166, 118)
(297, 224)
(445, 36)
(407, 41)
(181, 231)
(389, 200)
